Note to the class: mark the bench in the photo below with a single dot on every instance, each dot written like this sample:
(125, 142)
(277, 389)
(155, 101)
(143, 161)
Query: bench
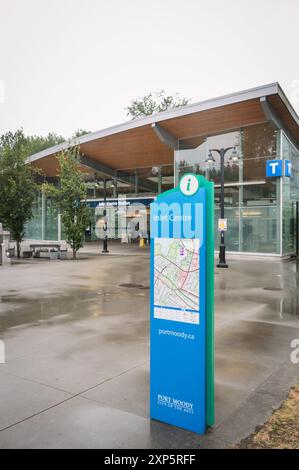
(46, 250)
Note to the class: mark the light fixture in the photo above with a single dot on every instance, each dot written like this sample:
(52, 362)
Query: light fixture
(210, 158)
(234, 156)
(156, 170)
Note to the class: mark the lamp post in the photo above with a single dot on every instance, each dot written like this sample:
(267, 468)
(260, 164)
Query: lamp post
(105, 225)
(114, 187)
(234, 157)
(157, 171)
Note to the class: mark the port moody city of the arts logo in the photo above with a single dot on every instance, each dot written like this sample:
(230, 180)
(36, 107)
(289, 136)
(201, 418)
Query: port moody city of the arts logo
(178, 405)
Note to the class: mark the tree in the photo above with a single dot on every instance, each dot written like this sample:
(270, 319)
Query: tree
(18, 188)
(79, 133)
(37, 143)
(154, 102)
(70, 197)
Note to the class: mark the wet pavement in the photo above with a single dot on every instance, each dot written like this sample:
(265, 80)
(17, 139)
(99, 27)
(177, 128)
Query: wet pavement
(77, 351)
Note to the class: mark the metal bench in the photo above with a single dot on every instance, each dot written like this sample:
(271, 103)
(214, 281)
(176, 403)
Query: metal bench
(52, 250)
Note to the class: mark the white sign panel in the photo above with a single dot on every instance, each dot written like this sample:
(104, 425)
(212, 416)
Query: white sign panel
(176, 279)
(222, 225)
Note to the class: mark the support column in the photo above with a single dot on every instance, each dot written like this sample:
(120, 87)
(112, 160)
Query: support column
(160, 180)
(43, 221)
(136, 183)
(59, 227)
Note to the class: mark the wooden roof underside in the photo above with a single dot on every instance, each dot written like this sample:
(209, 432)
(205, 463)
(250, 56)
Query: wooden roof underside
(141, 146)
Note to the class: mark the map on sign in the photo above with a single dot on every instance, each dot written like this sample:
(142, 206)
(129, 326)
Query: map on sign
(176, 279)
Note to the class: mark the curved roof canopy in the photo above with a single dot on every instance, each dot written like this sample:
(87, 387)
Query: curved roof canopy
(150, 141)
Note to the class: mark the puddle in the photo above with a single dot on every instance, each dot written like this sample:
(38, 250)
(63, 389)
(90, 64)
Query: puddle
(134, 286)
(274, 289)
(67, 306)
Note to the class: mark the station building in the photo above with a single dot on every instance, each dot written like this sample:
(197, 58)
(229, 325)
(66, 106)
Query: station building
(144, 157)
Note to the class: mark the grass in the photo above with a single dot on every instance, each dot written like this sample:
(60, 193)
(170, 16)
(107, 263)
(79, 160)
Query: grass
(281, 431)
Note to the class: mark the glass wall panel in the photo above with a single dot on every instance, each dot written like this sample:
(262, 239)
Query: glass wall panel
(290, 196)
(191, 157)
(33, 229)
(124, 183)
(231, 202)
(252, 210)
(193, 153)
(260, 218)
(260, 194)
(260, 229)
(231, 169)
(44, 223)
(50, 220)
(259, 143)
(167, 177)
(145, 180)
(232, 235)
(148, 180)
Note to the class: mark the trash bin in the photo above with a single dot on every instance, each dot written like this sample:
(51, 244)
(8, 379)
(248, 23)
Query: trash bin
(10, 252)
(63, 254)
(53, 254)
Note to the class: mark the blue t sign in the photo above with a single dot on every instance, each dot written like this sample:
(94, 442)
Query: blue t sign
(178, 306)
(274, 168)
(288, 168)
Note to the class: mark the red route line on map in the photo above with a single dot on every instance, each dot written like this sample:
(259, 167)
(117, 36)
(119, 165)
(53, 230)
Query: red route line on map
(177, 290)
(183, 270)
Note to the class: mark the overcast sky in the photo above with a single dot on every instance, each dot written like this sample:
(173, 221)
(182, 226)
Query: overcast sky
(70, 64)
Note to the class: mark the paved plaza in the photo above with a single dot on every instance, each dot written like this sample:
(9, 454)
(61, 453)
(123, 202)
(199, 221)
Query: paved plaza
(77, 351)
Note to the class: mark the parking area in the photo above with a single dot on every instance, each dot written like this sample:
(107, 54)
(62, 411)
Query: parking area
(76, 338)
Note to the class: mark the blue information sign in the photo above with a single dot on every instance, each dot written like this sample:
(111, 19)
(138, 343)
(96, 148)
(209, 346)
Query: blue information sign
(274, 168)
(178, 306)
(278, 168)
(288, 168)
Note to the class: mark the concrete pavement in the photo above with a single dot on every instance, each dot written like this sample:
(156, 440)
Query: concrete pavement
(77, 351)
